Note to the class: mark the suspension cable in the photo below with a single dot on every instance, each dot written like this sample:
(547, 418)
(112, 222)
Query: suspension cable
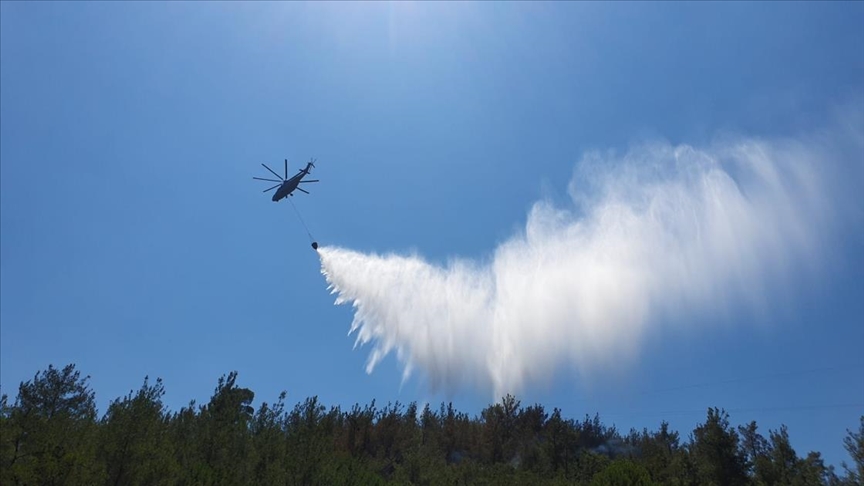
(311, 238)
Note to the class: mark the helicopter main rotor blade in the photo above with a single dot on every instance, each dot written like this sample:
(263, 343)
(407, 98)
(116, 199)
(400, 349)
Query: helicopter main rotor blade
(274, 187)
(312, 180)
(271, 171)
(268, 180)
(286, 168)
(303, 190)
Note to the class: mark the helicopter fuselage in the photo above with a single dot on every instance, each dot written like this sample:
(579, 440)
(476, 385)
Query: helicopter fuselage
(286, 188)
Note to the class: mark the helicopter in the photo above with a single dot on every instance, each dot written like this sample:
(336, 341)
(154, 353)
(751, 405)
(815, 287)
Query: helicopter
(287, 186)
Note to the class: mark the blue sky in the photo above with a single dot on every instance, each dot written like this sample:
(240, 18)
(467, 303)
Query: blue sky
(134, 241)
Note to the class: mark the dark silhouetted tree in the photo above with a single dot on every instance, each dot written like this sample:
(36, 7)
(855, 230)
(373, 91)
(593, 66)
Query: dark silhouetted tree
(269, 440)
(52, 431)
(854, 445)
(622, 473)
(226, 421)
(715, 452)
(660, 453)
(134, 439)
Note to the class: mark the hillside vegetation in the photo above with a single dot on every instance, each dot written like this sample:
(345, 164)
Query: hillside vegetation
(52, 434)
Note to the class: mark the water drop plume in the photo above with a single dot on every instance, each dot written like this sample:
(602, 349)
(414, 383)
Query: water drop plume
(662, 235)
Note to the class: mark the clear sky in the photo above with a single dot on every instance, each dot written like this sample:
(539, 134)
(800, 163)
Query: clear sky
(134, 241)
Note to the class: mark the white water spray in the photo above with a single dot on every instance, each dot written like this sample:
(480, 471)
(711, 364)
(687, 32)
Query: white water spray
(659, 236)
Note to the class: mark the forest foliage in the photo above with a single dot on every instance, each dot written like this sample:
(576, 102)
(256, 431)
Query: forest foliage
(51, 434)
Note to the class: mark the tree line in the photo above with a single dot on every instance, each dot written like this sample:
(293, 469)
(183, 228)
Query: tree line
(51, 434)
